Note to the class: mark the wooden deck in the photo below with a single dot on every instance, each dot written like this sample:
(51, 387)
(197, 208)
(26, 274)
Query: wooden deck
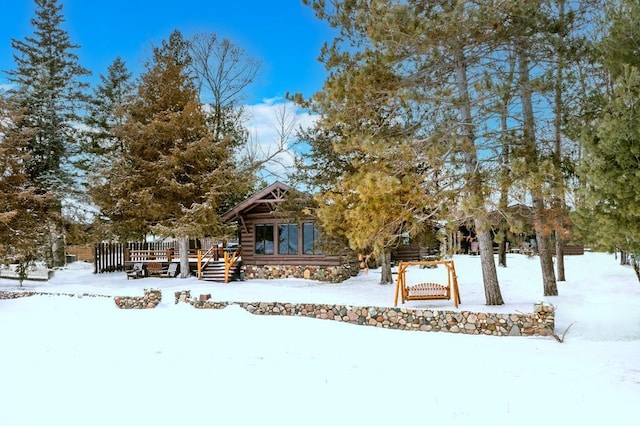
(205, 262)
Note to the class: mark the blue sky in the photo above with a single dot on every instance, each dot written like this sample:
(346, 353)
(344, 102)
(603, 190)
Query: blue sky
(284, 34)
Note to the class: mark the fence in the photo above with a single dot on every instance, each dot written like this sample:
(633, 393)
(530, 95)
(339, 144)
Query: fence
(111, 257)
(81, 253)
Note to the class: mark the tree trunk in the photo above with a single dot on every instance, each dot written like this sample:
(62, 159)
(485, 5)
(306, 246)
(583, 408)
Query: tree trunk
(546, 263)
(57, 244)
(385, 263)
(492, 293)
(532, 157)
(636, 266)
(545, 252)
(183, 246)
(559, 201)
(485, 242)
(560, 257)
(502, 253)
(504, 161)
(623, 258)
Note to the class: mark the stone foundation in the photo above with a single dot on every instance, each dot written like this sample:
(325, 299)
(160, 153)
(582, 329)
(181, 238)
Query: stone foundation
(331, 274)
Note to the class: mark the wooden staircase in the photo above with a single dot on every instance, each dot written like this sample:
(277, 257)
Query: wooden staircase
(214, 271)
(219, 264)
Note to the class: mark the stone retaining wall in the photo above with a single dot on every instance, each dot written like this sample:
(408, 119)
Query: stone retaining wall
(150, 300)
(4, 295)
(331, 274)
(540, 323)
(15, 294)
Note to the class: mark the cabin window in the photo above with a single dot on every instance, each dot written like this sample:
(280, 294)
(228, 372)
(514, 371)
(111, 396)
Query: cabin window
(264, 238)
(288, 238)
(310, 239)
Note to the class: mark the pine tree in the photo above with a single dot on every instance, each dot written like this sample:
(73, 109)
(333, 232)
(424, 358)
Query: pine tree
(106, 113)
(539, 35)
(621, 45)
(171, 178)
(610, 217)
(48, 88)
(433, 59)
(378, 181)
(24, 207)
(611, 165)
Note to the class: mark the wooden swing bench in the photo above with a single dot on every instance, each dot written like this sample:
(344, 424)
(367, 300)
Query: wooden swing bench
(427, 291)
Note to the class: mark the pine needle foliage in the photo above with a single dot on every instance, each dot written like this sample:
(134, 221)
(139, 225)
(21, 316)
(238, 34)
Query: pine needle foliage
(48, 87)
(609, 214)
(24, 210)
(172, 177)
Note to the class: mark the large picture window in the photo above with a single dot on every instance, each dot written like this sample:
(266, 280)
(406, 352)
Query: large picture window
(288, 238)
(310, 239)
(264, 238)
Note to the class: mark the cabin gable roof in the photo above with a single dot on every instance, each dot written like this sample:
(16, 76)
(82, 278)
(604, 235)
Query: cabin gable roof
(271, 195)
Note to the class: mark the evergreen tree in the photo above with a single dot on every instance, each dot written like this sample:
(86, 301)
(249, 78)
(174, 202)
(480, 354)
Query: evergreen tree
(48, 88)
(611, 164)
(546, 47)
(378, 181)
(621, 45)
(171, 178)
(105, 114)
(609, 216)
(24, 207)
(432, 58)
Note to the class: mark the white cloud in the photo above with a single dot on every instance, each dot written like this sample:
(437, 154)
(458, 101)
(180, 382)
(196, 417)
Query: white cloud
(273, 125)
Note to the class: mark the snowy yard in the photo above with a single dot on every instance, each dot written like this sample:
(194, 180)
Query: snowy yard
(81, 361)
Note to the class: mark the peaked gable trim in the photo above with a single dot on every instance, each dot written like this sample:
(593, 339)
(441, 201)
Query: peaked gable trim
(273, 193)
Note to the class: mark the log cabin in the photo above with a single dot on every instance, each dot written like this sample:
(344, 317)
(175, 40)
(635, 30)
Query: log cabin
(276, 247)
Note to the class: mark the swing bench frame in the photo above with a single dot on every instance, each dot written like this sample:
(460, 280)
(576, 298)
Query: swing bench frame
(427, 291)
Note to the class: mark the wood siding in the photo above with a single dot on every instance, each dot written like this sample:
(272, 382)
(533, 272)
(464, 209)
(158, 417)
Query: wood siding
(259, 209)
(247, 240)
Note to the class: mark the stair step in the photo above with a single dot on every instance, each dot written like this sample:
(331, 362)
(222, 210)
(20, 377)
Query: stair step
(215, 271)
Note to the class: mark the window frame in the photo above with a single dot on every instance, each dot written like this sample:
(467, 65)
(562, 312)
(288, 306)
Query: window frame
(263, 239)
(315, 238)
(285, 245)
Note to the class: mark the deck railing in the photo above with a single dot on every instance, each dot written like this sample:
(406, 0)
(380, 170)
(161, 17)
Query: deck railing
(229, 254)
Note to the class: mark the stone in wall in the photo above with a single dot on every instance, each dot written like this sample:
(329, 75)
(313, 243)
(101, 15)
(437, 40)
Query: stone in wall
(183, 296)
(541, 322)
(4, 295)
(150, 300)
(463, 322)
(16, 294)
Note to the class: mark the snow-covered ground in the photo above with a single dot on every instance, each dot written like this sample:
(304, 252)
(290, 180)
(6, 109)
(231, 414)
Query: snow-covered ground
(82, 361)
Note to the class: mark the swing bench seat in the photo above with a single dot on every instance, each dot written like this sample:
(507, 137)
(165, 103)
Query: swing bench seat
(428, 290)
(424, 291)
